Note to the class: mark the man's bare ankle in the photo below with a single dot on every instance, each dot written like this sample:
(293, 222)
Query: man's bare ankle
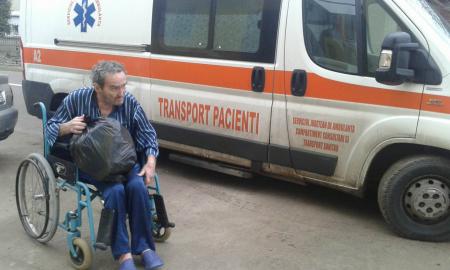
(124, 257)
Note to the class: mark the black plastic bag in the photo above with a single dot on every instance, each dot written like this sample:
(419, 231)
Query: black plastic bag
(105, 150)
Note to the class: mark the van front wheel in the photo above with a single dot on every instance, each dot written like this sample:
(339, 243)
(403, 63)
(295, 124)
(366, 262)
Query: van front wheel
(414, 198)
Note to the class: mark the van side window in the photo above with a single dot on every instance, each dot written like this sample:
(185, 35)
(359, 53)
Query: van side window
(330, 34)
(238, 25)
(379, 23)
(186, 25)
(222, 29)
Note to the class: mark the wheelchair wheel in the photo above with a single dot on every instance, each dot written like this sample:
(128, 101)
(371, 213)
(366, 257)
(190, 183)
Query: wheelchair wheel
(37, 198)
(83, 258)
(159, 233)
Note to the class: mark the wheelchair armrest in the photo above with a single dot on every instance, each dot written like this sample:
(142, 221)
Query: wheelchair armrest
(64, 146)
(61, 148)
(63, 168)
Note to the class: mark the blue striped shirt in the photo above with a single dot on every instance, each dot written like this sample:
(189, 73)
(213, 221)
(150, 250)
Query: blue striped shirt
(130, 114)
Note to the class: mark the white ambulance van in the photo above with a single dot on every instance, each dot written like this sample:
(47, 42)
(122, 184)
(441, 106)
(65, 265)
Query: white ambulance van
(350, 94)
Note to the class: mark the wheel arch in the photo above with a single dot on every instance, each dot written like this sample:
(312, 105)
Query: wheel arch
(389, 155)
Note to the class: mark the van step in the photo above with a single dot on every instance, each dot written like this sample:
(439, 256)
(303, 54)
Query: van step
(213, 166)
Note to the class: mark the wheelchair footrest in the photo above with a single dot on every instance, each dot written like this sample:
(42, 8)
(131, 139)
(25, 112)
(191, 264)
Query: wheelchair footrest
(101, 246)
(105, 228)
(161, 212)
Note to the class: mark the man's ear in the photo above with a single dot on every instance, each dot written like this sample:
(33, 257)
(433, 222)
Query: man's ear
(97, 87)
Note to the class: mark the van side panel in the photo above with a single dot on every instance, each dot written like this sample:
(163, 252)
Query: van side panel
(342, 115)
(50, 57)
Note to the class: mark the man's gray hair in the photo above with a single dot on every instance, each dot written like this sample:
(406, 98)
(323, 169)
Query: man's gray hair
(103, 68)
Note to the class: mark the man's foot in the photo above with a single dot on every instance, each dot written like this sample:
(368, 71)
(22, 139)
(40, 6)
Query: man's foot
(127, 264)
(151, 260)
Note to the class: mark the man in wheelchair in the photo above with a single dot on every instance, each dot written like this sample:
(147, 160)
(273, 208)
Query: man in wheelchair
(108, 98)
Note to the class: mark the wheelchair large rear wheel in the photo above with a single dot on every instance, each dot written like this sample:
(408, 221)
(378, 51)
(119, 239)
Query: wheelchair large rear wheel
(37, 198)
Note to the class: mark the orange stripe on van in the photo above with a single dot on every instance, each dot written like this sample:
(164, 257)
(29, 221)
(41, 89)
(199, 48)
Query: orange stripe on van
(323, 88)
(212, 75)
(240, 79)
(434, 103)
(83, 60)
(279, 85)
(319, 87)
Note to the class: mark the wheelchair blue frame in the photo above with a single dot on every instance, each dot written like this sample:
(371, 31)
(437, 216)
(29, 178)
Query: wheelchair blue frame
(85, 195)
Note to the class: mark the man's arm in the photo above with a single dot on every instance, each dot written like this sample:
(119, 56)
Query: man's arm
(74, 126)
(145, 138)
(148, 169)
(62, 123)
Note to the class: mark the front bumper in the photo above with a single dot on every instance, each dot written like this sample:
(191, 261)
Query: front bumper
(8, 120)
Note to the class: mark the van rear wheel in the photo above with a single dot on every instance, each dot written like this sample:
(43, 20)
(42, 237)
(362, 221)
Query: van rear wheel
(414, 198)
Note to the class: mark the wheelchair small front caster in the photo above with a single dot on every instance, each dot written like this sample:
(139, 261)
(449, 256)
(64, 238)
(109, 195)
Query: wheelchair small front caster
(161, 234)
(83, 258)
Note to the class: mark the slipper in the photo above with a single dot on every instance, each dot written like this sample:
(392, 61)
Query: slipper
(151, 260)
(128, 264)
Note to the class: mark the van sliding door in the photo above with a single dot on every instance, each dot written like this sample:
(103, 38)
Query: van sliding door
(212, 75)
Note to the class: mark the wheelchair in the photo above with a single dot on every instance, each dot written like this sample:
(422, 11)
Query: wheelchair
(40, 180)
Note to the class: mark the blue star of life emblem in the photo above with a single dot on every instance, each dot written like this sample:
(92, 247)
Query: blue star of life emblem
(84, 15)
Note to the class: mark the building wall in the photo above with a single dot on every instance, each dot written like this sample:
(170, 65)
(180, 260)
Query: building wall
(15, 5)
(14, 22)
(14, 19)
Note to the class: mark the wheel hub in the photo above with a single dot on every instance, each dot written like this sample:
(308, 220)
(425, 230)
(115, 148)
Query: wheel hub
(428, 199)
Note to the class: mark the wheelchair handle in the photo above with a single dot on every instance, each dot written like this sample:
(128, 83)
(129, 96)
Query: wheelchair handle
(44, 123)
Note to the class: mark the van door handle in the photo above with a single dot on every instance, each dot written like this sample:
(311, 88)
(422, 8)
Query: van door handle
(298, 82)
(258, 79)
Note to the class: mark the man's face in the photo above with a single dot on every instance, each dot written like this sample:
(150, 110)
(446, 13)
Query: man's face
(113, 90)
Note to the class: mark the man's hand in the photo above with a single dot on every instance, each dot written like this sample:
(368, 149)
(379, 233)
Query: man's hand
(74, 126)
(148, 170)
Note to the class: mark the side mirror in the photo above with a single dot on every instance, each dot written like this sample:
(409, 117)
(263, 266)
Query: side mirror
(402, 60)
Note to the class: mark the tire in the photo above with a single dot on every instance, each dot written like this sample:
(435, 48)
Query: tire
(37, 198)
(414, 198)
(83, 258)
(161, 234)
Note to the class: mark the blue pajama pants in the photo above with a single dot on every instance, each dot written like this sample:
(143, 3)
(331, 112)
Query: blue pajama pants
(130, 198)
